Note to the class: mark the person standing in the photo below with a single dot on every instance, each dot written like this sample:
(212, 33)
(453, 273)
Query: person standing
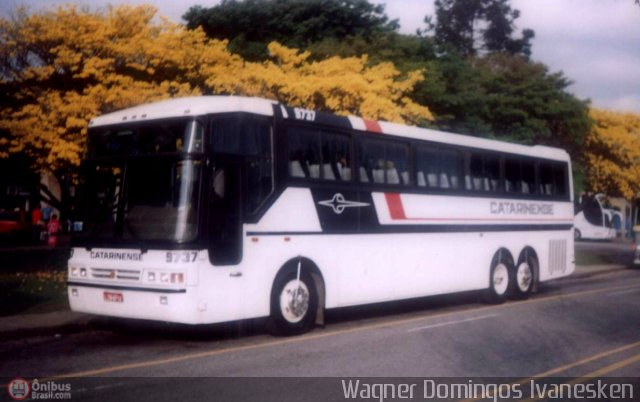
(53, 228)
(36, 224)
(46, 213)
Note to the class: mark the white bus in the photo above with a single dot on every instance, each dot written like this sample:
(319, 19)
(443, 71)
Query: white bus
(594, 218)
(216, 209)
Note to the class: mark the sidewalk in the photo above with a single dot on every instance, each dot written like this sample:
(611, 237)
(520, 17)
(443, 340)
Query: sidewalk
(65, 322)
(585, 271)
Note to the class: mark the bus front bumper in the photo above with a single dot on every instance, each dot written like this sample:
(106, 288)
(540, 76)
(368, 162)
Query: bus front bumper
(173, 305)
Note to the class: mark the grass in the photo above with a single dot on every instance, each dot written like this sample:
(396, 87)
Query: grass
(590, 259)
(33, 292)
(32, 279)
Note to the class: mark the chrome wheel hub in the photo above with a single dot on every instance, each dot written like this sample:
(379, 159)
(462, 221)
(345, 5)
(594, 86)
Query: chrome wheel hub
(294, 301)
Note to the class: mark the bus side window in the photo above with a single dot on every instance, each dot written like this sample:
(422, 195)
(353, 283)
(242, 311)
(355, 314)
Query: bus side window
(260, 164)
(319, 154)
(371, 161)
(397, 166)
(528, 177)
(438, 168)
(249, 138)
(384, 162)
(560, 176)
(546, 179)
(520, 176)
(484, 173)
(450, 169)
(226, 136)
(492, 171)
(474, 180)
(335, 157)
(512, 176)
(428, 167)
(304, 153)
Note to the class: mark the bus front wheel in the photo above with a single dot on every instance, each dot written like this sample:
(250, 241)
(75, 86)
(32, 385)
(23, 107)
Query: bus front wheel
(294, 302)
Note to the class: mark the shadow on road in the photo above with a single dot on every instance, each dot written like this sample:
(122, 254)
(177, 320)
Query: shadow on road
(134, 330)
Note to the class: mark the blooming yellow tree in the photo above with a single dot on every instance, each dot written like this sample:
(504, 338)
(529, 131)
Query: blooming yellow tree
(612, 153)
(341, 85)
(60, 68)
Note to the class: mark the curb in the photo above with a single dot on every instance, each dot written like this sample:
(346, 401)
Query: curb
(588, 271)
(50, 324)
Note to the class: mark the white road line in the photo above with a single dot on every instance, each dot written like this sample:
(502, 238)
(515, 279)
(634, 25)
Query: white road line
(442, 324)
(624, 292)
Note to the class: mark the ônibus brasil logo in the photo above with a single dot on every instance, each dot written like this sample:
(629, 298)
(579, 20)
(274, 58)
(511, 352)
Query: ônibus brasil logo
(19, 389)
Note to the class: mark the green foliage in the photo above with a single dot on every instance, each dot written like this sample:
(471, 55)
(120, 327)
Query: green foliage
(472, 26)
(407, 52)
(507, 97)
(478, 77)
(453, 90)
(252, 24)
(526, 103)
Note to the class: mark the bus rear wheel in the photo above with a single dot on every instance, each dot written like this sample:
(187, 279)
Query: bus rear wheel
(523, 279)
(500, 280)
(294, 302)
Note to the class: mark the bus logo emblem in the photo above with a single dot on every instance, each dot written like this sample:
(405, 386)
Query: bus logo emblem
(338, 203)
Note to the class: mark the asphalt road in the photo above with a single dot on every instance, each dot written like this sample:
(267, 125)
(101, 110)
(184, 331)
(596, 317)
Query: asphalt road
(586, 326)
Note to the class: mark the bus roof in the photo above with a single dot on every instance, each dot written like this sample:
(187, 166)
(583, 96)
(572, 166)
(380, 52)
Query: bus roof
(202, 105)
(472, 142)
(190, 106)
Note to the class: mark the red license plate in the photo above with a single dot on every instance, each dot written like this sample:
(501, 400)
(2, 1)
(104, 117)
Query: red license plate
(113, 297)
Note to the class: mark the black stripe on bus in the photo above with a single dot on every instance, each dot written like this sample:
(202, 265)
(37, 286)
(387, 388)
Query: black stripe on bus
(116, 287)
(401, 229)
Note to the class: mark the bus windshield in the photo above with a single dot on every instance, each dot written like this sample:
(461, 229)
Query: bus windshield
(141, 184)
(162, 137)
(141, 201)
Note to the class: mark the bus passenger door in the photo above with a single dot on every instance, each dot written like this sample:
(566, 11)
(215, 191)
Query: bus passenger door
(225, 214)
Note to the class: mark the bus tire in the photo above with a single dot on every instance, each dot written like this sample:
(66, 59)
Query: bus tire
(500, 278)
(576, 234)
(523, 279)
(294, 303)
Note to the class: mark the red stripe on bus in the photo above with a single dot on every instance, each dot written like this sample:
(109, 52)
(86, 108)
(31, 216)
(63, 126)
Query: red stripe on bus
(372, 126)
(396, 209)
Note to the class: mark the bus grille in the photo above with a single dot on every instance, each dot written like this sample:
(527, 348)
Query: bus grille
(557, 256)
(110, 273)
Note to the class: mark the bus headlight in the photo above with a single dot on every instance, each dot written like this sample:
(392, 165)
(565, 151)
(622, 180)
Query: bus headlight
(177, 277)
(75, 272)
(166, 277)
